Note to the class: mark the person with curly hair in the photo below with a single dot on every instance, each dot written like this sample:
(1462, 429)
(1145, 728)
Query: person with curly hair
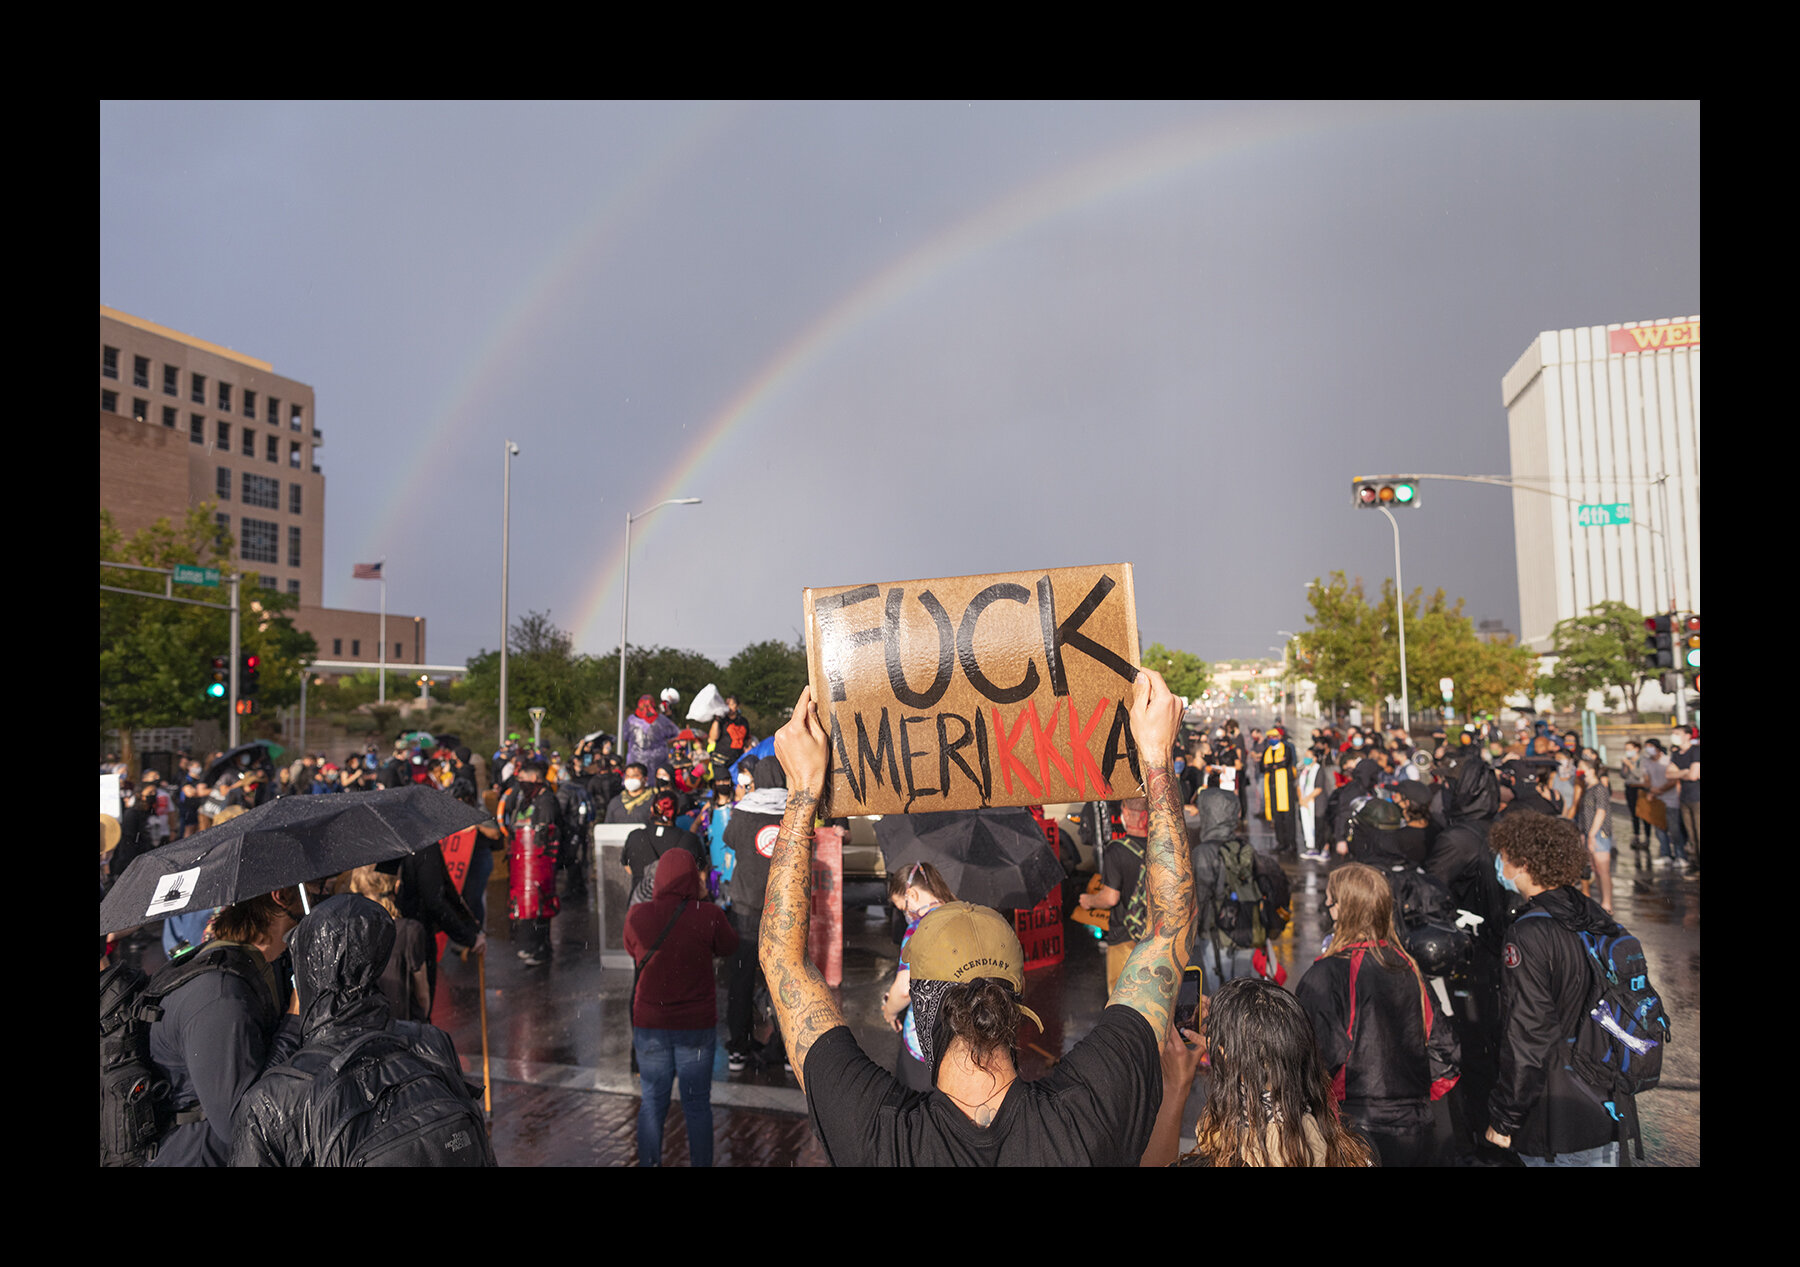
(1537, 1107)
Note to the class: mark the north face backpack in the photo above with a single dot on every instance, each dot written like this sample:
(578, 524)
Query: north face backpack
(380, 1103)
(1619, 1052)
(135, 1108)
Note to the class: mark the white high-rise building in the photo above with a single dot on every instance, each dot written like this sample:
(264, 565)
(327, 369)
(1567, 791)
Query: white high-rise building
(1599, 415)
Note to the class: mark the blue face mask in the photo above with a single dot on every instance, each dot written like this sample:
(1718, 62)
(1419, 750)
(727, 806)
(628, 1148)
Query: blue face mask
(1500, 874)
(1180, 766)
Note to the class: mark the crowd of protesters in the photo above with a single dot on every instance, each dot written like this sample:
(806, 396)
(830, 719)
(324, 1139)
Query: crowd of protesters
(1432, 851)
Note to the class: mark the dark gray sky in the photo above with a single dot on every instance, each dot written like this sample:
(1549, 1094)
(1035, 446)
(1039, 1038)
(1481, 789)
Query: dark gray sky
(893, 341)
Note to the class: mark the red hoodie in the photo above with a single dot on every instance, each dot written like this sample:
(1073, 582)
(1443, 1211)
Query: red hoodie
(676, 990)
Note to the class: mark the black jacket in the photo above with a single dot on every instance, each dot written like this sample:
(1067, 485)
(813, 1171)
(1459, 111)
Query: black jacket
(339, 952)
(428, 895)
(1377, 1043)
(1546, 987)
(217, 1035)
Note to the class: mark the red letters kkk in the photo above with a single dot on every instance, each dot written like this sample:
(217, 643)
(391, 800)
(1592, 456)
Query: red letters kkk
(966, 691)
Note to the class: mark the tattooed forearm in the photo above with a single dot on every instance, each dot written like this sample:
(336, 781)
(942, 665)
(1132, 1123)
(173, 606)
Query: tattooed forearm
(1153, 973)
(803, 1002)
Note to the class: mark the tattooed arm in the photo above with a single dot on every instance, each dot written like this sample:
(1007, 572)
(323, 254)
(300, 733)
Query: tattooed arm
(803, 1002)
(1152, 974)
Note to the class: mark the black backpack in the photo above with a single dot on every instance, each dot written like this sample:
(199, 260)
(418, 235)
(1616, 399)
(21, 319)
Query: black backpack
(1619, 1052)
(379, 1102)
(135, 1107)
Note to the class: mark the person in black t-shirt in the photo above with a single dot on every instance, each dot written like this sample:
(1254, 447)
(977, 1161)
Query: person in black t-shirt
(647, 844)
(1121, 870)
(1096, 1107)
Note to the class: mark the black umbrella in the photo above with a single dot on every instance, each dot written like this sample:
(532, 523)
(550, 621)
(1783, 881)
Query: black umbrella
(260, 751)
(992, 857)
(289, 841)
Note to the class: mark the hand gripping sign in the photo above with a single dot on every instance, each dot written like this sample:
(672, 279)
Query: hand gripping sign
(971, 691)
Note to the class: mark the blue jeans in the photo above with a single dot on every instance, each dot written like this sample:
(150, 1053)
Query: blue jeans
(1605, 1155)
(664, 1054)
(1674, 844)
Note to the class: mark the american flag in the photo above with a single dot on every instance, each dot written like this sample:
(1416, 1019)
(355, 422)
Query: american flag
(366, 572)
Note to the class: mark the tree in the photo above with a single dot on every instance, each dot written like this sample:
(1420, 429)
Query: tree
(542, 671)
(767, 677)
(1345, 651)
(154, 661)
(1597, 652)
(1186, 673)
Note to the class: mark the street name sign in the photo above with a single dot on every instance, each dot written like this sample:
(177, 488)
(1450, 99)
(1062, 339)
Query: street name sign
(1603, 514)
(187, 574)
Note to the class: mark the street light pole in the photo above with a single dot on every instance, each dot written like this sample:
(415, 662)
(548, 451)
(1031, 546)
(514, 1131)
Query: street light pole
(505, 525)
(625, 606)
(1399, 619)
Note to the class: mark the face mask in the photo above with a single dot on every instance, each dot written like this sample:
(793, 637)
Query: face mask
(632, 785)
(1500, 874)
(1356, 743)
(1180, 766)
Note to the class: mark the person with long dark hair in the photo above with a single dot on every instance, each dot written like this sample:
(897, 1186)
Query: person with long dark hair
(916, 891)
(1268, 1099)
(1389, 1052)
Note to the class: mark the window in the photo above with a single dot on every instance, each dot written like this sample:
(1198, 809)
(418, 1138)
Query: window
(140, 409)
(270, 583)
(109, 362)
(260, 490)
(222, 484)
(171, 384)
(249, 403)
(258, 542)
(197, 428)
(224, 521)
(224, 436)
(337, 646)
(109, 402)
(293, 499)
(355, 646)
(294, 418)
(293, 452)
(274, 412)
(197, 393)
(293, 546)
(170, 416)
(140, 371)
(249, 448)
(397, 652)
(225, 397)
(274, 448)
(294, 588)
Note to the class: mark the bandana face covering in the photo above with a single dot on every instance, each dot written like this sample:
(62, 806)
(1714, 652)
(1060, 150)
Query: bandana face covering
(927, 997)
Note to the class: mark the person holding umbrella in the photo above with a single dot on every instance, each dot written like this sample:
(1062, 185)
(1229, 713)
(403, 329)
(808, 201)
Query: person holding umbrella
(1096, 1107)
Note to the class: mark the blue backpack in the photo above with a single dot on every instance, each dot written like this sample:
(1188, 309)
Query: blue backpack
(1620, 1053)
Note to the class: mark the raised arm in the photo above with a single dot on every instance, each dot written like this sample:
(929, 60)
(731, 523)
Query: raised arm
(803, 1002)
(1153, 972)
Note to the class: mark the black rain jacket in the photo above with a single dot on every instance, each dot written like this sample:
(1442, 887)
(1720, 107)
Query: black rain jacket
(339, 952)
(1546, 987)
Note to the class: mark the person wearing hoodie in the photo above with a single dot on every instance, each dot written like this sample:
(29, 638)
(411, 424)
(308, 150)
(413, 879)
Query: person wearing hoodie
(648, 733)
(673, 938)
(1216, 852)
(1537, 1109)
(1459, 858)
(750, 835)
(339, 952)
(1365, 781)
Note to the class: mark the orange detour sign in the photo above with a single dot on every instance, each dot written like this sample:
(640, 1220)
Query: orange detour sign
(968, 691)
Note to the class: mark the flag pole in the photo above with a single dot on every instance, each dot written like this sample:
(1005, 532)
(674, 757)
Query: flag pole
(381, 688)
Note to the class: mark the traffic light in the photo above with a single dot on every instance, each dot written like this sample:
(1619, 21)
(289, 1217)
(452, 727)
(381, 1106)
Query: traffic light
(246, 707)
(248, 676)
(1659, 643)
(1386, 490)
(218, 680)
(1691, 658)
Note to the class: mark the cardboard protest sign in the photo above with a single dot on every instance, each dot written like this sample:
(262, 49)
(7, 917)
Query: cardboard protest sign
(971, 691)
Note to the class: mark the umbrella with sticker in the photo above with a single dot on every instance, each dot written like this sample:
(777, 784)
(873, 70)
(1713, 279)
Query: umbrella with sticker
(287, 841)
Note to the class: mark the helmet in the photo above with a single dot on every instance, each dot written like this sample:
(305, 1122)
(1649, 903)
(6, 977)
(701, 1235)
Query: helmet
(1437, 950)
(1376, 814)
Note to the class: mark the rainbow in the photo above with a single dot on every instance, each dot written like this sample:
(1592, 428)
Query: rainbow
(1127, 172)
(459, 420)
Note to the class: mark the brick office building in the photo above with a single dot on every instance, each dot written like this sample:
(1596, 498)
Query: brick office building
(185, 421)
